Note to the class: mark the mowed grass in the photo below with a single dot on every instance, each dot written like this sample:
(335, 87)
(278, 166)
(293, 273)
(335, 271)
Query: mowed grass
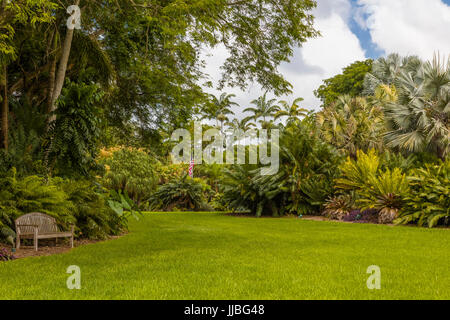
(213, 256)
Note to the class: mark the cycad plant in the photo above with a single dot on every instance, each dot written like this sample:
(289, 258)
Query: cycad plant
(183, 193)
(355, 174)
(385, 192)
(338, 207)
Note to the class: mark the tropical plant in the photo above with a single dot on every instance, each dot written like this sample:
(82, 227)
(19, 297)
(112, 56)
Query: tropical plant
(385, 192)
(72, 141)
(242, 193)
(355, 174)
(420, 119)
(338, 207)
(428, 202)
(219, 108)
(386, 70)
(242, 125)
(349, 82)
(263, 110)
(181, 193)
(291, 111)
(131, 171)
(94, 218)
(123, 206)
(352, 124)
(307, 169)
(19, 196)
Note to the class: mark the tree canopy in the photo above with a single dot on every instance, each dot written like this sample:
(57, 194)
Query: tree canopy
(349, 82)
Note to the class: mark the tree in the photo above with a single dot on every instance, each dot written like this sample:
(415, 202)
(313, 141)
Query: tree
(219, 108)
(242, 125)
(21, 12)
(263, 109)
(349, 82)
(352, 124)
(293, 112)
(385, 71)
(419, 119)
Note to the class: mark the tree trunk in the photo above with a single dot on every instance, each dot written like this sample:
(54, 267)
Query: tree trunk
(61, 75)
(5, 107)
(52, 73)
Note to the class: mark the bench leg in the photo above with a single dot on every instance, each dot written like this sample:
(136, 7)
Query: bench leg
(35, 241)
(17, 242)
(71, 241)
(56, 242)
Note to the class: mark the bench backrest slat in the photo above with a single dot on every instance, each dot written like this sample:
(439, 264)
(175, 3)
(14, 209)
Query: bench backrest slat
(45, 223)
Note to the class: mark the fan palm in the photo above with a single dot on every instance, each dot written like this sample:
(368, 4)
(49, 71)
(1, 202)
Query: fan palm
(419, 119)
(351, 124)
(264, 110)
(292, 111)
(386, 70)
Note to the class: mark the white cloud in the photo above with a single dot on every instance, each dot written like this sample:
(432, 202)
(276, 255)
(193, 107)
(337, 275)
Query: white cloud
(409, 27)
(337, 48)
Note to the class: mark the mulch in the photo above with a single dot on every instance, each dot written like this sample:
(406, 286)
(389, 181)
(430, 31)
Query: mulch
(48, 248)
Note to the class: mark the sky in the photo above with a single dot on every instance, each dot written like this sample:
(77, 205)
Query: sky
(351, 30)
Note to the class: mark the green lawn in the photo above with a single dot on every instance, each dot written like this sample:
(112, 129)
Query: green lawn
(212, 256)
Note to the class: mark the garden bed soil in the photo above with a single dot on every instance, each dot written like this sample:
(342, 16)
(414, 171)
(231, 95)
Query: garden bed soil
(48, 248)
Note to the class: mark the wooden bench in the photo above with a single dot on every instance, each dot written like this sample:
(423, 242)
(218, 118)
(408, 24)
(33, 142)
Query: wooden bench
(37, 226)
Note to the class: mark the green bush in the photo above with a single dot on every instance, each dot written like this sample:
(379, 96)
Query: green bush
(183, 193)
(385, 192)
(308, 167)
(428, 203)
(94, 219)
(130, 171)
(19, 196)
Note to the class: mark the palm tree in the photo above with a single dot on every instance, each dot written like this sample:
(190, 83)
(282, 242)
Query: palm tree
(419, 119)
(352, 124)
(386, 70)
(292, 111)
(243, 124)
(263, 109)
(220, 108)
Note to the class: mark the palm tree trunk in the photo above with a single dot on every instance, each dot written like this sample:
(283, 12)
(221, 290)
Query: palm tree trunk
(5, 107)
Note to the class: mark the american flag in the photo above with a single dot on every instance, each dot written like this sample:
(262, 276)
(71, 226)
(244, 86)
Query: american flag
(191, 167)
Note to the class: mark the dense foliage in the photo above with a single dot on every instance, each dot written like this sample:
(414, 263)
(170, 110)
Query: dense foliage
(350, 82)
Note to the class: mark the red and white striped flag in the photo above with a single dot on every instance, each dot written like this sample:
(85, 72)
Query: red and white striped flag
(191, 167)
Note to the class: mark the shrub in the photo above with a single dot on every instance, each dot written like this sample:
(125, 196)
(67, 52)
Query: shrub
(355, 174)
(130, 171)
(337, 208)
(385, 192)
(94, 218)
(308, 167)
(428, 203)
(182, 193)
(19, 196)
